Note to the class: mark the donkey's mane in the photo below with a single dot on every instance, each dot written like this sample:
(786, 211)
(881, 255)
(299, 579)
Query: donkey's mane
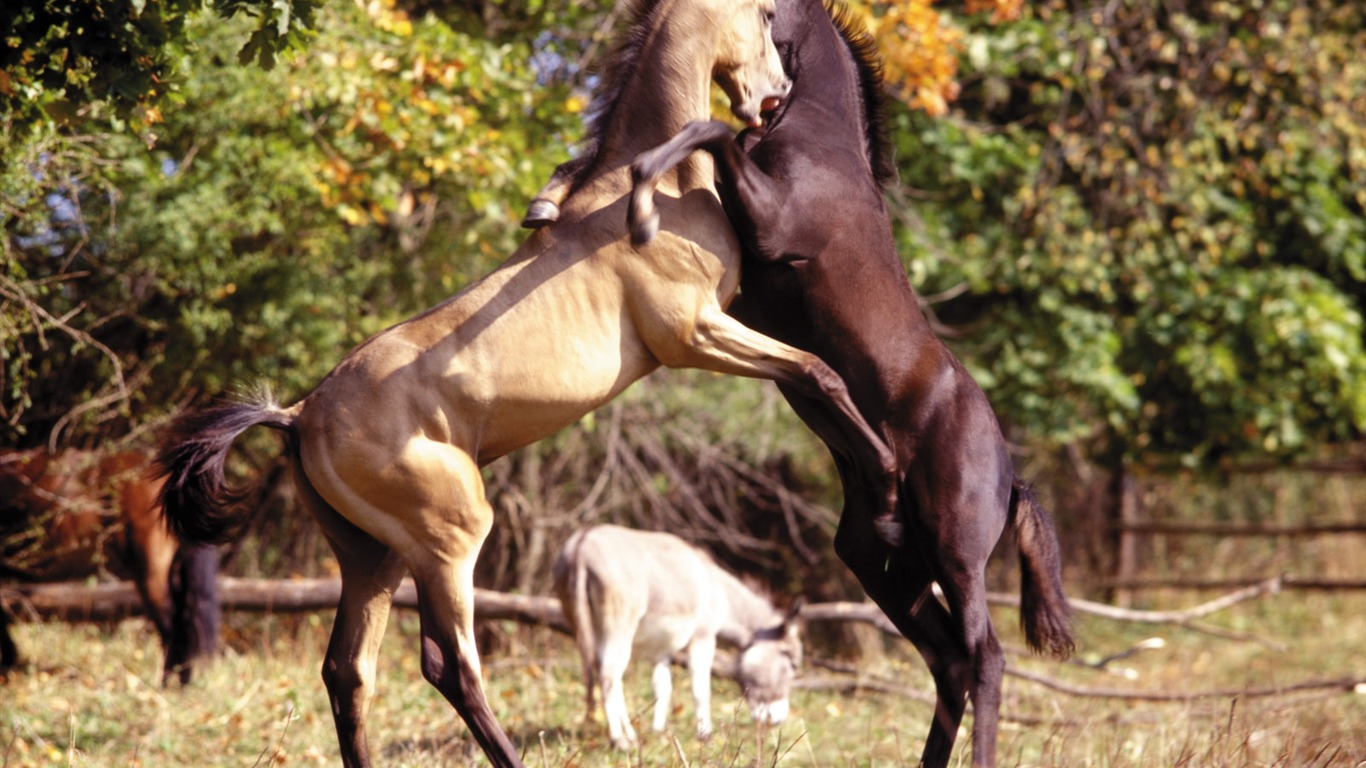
(620, 63)
(863, 47)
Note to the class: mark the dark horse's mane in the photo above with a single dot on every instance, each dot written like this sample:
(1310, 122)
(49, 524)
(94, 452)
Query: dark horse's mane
(863, 47)
(621, 62)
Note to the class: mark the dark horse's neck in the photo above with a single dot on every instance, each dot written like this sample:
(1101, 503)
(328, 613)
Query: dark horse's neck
(837, 80)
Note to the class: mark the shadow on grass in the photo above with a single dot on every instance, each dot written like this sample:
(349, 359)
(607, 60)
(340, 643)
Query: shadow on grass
(462, 747)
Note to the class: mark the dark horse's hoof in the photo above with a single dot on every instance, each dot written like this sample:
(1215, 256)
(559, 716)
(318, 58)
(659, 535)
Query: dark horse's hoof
(540, 213)
(890, 529)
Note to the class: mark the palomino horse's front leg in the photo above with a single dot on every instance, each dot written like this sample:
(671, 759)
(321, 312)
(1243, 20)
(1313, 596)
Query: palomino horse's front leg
(719, 342)
(545, 206)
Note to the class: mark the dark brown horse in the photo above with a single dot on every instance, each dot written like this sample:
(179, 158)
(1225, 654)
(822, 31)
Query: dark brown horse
(77, 513)
(821, 272)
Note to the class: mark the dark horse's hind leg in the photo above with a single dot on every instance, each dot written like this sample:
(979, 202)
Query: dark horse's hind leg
(959, 647)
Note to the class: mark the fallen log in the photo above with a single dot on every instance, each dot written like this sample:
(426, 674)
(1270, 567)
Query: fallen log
(109, 601)
(106, 601)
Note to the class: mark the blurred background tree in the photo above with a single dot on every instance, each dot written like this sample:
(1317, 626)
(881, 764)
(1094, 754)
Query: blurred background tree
(1142, 226)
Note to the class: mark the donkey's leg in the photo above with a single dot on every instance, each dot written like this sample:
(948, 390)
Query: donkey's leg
(661, 680)
(370, 573)
(700, 654)
(614, 655)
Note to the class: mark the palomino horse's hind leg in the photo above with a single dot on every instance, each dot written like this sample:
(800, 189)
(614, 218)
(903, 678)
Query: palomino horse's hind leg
(445, 544)
(370, 573)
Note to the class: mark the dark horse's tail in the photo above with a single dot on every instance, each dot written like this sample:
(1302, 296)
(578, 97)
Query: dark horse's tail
(1043, 607)
(198, 503)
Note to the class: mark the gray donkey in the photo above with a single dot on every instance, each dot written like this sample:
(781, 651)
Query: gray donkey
(652, 594)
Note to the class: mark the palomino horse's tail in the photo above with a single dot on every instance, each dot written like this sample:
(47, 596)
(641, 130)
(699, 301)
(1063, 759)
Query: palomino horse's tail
(1043, 607)
(197, 501)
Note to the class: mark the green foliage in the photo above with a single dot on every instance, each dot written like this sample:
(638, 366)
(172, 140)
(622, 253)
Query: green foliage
(58, 58)
(270, 222)
(1161, 218)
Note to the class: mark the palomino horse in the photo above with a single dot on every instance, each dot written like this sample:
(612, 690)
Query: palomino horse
(386, 450)
(821, 272)
(72, 514)
(628, 592)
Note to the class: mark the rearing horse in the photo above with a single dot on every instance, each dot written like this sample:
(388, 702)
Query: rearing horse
(821, 272)
(386, 450)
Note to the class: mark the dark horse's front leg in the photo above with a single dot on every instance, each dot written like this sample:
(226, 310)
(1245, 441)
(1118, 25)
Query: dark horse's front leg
(750, 195)
(754, 201)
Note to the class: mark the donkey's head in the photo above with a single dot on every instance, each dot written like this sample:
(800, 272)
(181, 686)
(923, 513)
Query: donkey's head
(768, 665)
(747, 65)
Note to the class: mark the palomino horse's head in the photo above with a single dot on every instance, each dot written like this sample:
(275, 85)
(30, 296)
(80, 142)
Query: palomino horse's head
(748, 67)
(768, 665)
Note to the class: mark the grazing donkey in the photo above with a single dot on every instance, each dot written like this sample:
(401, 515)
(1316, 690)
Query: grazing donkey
(652, 594)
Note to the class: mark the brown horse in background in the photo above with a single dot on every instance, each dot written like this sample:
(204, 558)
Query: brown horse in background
(387, 449)
(77, 513)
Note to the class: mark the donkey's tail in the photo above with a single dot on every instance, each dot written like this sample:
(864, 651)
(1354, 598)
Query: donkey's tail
(571, 582)
(1043, 607)
(196, 499)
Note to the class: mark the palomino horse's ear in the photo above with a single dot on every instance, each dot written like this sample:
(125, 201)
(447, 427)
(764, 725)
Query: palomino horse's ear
(793, 613)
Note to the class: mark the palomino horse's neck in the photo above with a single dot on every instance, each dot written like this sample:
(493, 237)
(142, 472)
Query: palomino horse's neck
(669, 87)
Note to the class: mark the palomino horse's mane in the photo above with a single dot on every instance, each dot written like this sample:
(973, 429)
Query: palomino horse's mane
(863, 47)
(620, 63)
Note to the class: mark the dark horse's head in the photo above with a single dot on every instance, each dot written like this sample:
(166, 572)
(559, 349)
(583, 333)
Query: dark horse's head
(823, 45)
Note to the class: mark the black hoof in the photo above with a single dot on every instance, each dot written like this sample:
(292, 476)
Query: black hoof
(890, 530)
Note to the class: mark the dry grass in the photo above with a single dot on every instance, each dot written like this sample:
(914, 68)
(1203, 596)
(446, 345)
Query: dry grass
(90, 699)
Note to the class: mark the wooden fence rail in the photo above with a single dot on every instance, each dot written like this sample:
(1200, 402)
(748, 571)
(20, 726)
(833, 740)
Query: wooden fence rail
(1242, 529)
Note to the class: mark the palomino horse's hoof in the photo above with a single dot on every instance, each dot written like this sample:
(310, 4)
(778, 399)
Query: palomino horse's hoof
(540, 213)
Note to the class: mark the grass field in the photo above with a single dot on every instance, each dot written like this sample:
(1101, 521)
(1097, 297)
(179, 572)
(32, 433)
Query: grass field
(88, 697)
